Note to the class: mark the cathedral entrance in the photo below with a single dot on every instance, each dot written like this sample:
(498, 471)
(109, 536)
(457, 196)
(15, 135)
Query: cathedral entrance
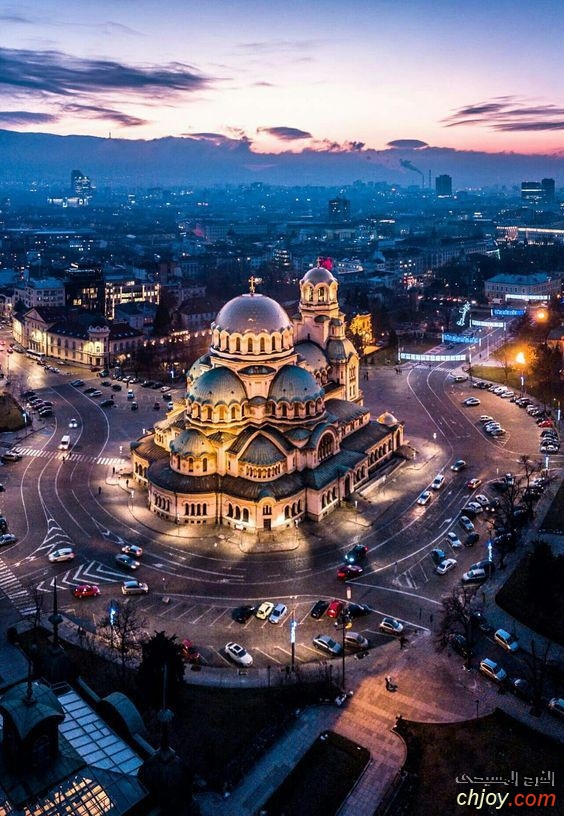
(267, 524)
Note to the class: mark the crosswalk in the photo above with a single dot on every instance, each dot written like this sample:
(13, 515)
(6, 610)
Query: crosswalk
(15, 591)
(71, 456)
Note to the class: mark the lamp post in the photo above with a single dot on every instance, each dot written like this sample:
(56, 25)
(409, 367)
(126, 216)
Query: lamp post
(521, 361)
(293, 625)
(343, 625)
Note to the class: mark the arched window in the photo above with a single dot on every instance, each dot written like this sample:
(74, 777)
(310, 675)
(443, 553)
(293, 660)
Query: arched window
(309, 293)
(286, 512)
(222, 413)
(190, 465)
(245, 514)
(322, 295)
(262, 345)
(238, 513)
(233, 413)
(250, 345)
(230, 510)
(205, 464)
(238, 344)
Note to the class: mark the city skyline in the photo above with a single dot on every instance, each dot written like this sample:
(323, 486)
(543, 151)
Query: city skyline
(380, 80)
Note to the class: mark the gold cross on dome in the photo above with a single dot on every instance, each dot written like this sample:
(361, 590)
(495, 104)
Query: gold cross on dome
(252, 282)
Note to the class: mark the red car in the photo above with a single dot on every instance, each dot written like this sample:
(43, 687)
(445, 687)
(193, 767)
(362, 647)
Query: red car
(86, 591)
(190, 652)
(335, 609)
(546, 423)
(347, 571)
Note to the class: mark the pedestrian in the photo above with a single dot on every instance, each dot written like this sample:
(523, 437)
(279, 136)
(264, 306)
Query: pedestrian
(113, 471)
(99, 489)
(403, 642)
(127, 482)
(64, 457)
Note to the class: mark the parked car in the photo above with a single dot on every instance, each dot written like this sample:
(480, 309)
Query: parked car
(319, 609)
(485, 564)
(506, 640)
(62, 554)
(390, 626)
(465, 522)
(264, 610)
(438, 555)
(278, 613)
(493, 670)
(354, 640)
(454, 540)
(189, 652)
(86, 591)
(242, 614)
(7, 538)
(356, 554)
(355, 610)
(107, 403)
(475, 576)
(556, 705)
(238, 654)
(126, 561)
(459, 644)
(445, 566)
(335, 608)
(11, 456)
(134, 587)
(521, 688)
(471, 401)
(327, 644)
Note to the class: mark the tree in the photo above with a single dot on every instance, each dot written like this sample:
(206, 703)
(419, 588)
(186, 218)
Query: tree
(158, 651)
(458, 613)
(537, 669)
(121, 629)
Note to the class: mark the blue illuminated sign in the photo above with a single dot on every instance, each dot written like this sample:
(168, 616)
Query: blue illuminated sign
(508, 312)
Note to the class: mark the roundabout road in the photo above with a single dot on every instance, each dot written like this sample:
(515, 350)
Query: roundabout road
(198, 574)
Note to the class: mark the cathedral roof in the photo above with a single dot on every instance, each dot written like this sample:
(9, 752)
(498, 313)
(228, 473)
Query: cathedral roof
(312, 354)
(191, 443)
(388, 419)
(199, 366)
(252, 313)
(318, 274)
(26, 712)
(218, 385)
(294, 384)
(262, 451)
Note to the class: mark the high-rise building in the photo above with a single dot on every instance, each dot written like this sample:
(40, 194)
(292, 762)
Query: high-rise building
(81, 186)
(339, 209)
(443, 186)
(531, 191)
(549, 191)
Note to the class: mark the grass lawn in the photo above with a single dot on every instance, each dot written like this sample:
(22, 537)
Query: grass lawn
(321, 780)
(515, 597)
(492, 746)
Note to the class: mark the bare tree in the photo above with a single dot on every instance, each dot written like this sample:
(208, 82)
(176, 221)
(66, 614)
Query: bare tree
(123, 629)
(536, 669)
(458, 613)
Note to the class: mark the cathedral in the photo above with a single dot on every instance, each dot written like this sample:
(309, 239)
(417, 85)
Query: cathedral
(272, 429)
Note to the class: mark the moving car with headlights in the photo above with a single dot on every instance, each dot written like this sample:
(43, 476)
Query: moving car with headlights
(472, 484)
(438, 481)
(460, 464)
(348, 571)
(126, 561)
(356, 554)
(7, 538)
(86, 591)
(238, 654)
(133, 550)
(62, 554)
(424, 498)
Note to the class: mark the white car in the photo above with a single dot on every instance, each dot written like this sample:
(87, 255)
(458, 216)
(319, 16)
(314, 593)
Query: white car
(238, 654)
(486, 418)
(438, 481)
(445, 566)
(278, 613)
(62, 554)
(475, 506)
(493, 670)
(391, 626)
(454, 540)
(506, 640)
(424, 498)
(134, 587)
(471, 401)
(482, 499)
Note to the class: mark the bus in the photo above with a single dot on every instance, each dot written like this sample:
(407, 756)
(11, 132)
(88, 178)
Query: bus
(38, 356)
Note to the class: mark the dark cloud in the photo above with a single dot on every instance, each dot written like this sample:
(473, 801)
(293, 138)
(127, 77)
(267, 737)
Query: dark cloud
(26, 118)
(220, 139)
(407, 144)
(55, 73)
(99, 112)
(286, 134)
(410, 166)
(508, 114)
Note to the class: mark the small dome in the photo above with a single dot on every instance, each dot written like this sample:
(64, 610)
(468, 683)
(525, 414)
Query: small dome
(218, 385)
(294, 384)
(252, 313)
(340, 349)
(318, 274)
(191, 443)
(387, 419)
(201, 365)
(313, 355)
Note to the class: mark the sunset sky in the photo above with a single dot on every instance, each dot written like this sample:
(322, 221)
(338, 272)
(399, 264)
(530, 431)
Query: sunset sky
(352, 75)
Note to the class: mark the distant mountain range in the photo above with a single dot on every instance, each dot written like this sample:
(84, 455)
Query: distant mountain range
(25, 157)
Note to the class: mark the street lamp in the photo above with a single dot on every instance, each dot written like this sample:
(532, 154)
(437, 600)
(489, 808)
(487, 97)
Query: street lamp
(293, 626)
(520, 360)
(343, 625)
